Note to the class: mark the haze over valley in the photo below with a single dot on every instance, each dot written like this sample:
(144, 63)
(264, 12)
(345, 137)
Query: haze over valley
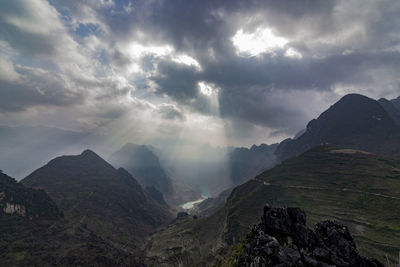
(199, 133)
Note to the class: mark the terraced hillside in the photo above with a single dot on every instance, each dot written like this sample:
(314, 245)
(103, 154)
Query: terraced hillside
(356, 188)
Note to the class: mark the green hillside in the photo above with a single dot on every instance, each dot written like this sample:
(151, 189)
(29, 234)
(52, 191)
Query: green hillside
(359, 189)
(356, 188)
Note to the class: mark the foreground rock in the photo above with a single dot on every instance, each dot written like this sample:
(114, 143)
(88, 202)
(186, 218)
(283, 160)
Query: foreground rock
(283, 239)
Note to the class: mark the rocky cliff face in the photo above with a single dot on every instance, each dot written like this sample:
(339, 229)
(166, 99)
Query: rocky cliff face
(283, 239)
(16, 199)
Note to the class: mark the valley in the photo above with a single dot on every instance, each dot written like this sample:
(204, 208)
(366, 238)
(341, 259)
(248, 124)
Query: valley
(144, 212)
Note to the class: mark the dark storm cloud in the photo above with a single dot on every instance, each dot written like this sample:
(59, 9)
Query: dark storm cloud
(348, 43)
(247, 83)
(176, 80)
(195, 23)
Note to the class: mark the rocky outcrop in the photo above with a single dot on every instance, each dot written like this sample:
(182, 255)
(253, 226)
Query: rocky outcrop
(11, 208)
(283, 239)
(18, 200)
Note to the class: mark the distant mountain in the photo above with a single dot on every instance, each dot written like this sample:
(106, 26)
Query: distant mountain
(144, 165)
(110, 202)
(356, 188)
(246, 163)
(355, 121)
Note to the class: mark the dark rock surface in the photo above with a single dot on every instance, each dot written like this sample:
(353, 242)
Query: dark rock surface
(283, 239)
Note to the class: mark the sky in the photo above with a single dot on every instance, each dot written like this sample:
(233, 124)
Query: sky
(211, 71)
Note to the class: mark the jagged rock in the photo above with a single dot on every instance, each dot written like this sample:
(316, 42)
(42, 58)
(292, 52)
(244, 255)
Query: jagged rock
(283, 239)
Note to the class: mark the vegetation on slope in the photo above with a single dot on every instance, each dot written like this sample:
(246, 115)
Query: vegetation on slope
(356, 188)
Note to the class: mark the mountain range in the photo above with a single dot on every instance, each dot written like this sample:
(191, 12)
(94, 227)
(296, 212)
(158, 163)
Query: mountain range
(357, 188)
(82, 210)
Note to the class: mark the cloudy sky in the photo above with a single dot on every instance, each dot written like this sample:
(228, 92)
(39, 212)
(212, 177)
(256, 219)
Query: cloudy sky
(220, 72)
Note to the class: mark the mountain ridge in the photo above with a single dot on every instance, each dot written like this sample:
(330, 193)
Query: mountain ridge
(110, 202)
(355, 121)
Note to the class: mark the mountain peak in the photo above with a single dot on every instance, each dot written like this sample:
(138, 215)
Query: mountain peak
(353, 96)
(87, 185)
(355, 121)
(87, 153)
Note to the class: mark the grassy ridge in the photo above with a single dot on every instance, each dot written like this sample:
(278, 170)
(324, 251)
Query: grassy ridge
(359, 189)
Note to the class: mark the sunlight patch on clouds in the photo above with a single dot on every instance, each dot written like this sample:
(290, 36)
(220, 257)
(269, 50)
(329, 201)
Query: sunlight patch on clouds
(187, 60)
(7, 71)
(293, 53)
(263, 40)
(207, 88)
(136, 50)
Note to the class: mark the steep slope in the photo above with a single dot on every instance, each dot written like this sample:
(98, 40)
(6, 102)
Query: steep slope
(156, 195)
(396, 102)
(391, 109)
(144, 166)
(211, 205)
(355, 121)
(107, 201)
(246, 163)
(16, 199)
(356, 188)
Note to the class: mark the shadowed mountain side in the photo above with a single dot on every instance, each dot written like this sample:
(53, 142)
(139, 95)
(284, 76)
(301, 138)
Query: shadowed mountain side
(355, 121)
(210, 205)
(33, 233)
(109, 202)
(246, 163)
(396, 102)
(30, 203)
(391, 109)
(356, 188)
(156, 195)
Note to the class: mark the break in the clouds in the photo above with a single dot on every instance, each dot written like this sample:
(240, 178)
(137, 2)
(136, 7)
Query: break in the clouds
(240, 72)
